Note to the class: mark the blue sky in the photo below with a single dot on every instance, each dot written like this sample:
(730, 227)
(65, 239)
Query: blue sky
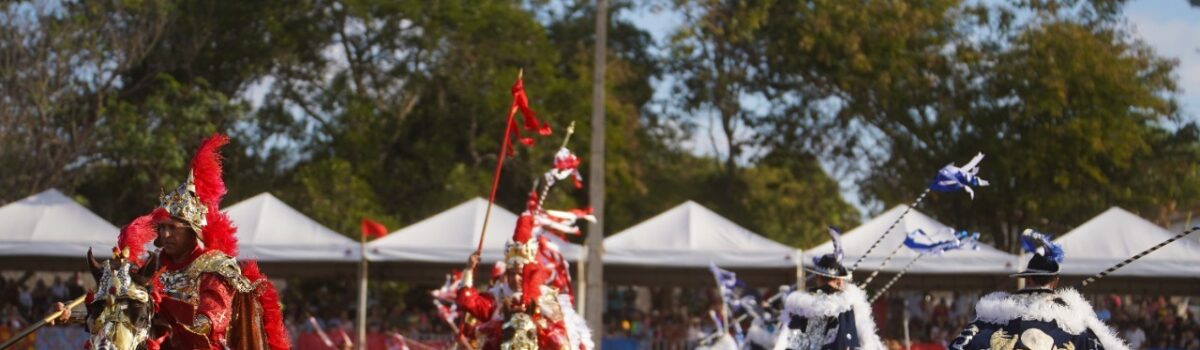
(1172, 28)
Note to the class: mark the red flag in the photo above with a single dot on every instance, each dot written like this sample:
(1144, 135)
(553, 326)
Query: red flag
(372, 229)
(531, 123)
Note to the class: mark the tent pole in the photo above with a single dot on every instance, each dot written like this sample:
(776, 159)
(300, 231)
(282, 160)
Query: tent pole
(362, 294)
(800, 271)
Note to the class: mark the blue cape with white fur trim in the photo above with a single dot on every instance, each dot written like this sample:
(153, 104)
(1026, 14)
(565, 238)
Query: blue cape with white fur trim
(820, 321)
(1036, 320)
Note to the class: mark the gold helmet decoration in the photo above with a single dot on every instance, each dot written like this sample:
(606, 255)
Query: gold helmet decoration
(183, 203)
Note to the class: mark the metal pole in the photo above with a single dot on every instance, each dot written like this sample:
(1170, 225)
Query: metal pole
(595, 238)
(1100, 275)
(362, 294)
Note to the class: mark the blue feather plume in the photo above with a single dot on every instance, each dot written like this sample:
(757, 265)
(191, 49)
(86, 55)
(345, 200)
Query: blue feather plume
(1041, 244)
(836, 236)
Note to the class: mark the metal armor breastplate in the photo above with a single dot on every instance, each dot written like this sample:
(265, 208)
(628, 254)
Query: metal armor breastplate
(184, 284)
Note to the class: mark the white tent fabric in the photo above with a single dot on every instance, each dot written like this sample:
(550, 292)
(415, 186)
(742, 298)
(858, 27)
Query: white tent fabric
(49, 224)
(690, 235)
(985, 260)
(451, 236)
(1116, 235)
(271, 231)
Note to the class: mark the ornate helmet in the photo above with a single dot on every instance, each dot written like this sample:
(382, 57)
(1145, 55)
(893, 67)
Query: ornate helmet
(183, 203)
(522, 249)
(197, 201)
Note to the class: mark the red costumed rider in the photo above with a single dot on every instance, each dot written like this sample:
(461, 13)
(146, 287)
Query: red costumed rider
(205, 298)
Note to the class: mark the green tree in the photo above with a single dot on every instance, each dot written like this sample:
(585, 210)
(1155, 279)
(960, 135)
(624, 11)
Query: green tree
(723, 67)
(1071, 109)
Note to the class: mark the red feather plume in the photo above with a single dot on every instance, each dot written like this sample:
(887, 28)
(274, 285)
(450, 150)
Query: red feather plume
(220, 233)
(268, 298)
(206, 167)
(136, 235)
(533, 277)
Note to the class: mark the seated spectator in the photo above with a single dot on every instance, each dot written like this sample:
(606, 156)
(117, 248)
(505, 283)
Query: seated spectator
(1134, 335)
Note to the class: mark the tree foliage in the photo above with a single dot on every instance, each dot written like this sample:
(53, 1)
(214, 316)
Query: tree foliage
(394, 109)
(1073, 111)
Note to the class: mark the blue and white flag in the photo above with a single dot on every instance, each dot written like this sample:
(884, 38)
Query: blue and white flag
(952, 178)
(727, 284)
(923, 243)
(1041, 244)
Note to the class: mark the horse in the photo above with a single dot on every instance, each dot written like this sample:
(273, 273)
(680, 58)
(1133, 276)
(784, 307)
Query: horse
(119, 315)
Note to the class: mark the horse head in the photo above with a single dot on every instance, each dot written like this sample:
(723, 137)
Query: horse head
(120, 313)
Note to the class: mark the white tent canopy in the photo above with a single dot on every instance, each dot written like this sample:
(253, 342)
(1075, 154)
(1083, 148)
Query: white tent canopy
(1116, 235)
(271, 231)
(985, 260)
(451, 236)
(690, 235)
(49, 224)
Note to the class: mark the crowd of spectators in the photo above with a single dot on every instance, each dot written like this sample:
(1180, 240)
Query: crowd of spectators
(319, 310)
(659, 318)
(1144, 322)
(666, 318)
(635, 317)
(27, 298)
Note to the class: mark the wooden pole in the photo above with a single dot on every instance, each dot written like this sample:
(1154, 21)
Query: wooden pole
(508, 126)
(362, 293)
(595, 237)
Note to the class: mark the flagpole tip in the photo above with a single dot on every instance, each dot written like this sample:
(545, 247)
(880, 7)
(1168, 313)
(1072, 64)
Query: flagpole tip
(520, 73)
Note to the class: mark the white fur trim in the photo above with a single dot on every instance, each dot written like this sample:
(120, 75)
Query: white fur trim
(781, 335)
(868, 336)
(577, 329)
(758, 334)
(1106, 335)
(1074, 317)
(725, 342)
(821, 305)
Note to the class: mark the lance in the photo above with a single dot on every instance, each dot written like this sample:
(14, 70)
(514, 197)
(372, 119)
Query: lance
(504, 145)
(549, 180)
(320, 332)
(42, 323)
(895, 278)
(949, 178)
(885, 233)
(1136, 257)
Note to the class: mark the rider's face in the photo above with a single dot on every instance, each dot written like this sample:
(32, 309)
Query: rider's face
(177, 237)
